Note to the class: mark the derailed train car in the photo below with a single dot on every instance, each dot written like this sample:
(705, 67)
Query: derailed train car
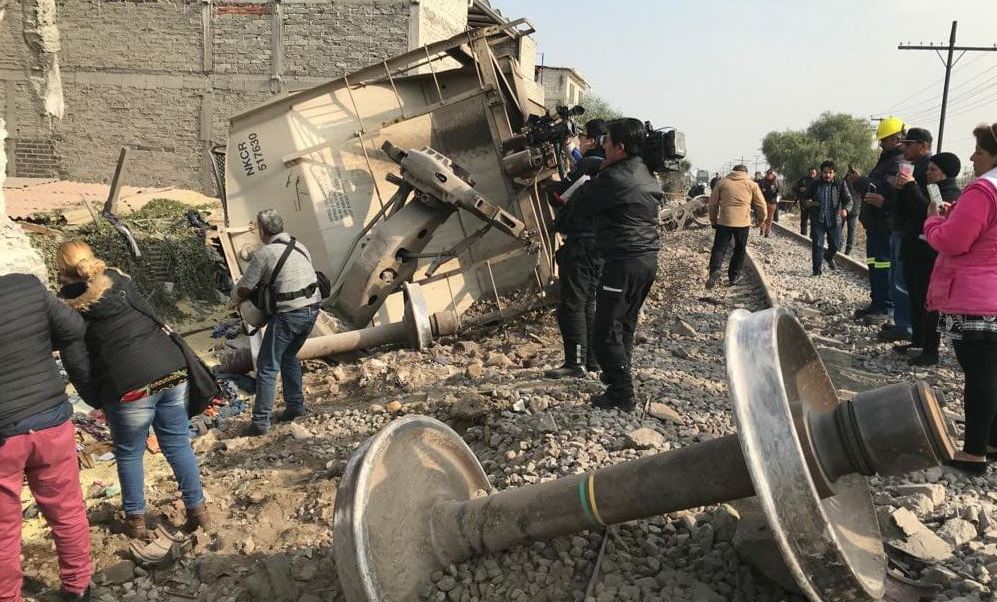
(427, 167)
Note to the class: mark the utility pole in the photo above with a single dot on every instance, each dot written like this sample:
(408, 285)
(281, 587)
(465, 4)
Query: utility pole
(949, 63)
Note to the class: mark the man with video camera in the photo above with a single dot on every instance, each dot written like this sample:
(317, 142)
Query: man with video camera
(579, 265)
(622, 202)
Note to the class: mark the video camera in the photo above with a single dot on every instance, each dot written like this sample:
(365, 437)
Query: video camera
(557, 128)
(664, 149)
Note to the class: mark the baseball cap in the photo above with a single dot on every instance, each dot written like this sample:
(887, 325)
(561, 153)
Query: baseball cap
(918, 135)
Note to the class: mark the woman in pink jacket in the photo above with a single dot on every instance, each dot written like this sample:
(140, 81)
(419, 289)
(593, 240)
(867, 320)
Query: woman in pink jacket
(963, 290)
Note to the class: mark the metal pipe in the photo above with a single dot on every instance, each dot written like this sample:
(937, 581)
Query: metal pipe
(889, 431)
(698, 475)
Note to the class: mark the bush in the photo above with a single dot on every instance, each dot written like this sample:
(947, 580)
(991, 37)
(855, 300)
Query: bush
(171, 252)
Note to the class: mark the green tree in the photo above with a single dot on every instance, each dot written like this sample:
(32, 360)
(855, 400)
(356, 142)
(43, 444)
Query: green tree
(596, 107)
(840, 137)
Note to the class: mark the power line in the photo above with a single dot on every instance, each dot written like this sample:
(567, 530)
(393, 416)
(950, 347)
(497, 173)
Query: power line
(949, 64)
(936, 100)
(963, 98)
(901, 106)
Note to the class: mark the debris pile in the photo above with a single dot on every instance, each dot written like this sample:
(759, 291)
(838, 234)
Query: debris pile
(274, 496)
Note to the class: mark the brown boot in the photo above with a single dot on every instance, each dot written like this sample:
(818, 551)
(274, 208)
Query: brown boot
(198, 517)
(134, 526)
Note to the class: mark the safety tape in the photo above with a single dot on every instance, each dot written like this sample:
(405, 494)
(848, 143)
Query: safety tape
(612, 290)
(586, 495)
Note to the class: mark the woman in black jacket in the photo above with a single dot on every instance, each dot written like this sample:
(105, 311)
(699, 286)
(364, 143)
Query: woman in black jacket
(138, 376)
(919, 257)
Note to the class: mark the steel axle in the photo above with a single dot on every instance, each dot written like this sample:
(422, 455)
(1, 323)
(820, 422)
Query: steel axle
(415, 499)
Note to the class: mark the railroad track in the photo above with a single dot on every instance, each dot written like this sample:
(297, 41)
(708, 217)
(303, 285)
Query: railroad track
(770, 284)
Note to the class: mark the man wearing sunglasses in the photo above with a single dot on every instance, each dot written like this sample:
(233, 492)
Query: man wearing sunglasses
(578, 264)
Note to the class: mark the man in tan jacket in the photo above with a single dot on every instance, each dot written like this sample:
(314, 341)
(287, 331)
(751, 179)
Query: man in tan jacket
(733, 200)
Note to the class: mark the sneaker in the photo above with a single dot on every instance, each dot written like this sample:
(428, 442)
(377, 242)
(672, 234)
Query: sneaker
(593, 367)
(254, 430)
(565, 371)
(608, 403)
(732, 280)
(925, 359)
(712, 280)
(80, 597)
(815, 275)
(289, 416)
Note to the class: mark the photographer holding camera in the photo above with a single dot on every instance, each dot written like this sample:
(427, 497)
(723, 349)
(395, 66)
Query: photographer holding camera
(579, 265)
(622, 203)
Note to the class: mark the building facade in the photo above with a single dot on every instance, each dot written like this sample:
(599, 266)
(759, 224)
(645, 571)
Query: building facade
(563, 86)
(165, 76)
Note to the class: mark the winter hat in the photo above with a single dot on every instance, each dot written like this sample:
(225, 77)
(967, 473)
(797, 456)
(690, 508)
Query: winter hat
(949, 163)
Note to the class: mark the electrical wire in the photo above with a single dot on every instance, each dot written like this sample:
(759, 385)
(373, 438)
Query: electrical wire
(905, 106)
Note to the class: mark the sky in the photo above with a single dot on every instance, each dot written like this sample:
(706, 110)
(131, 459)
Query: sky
(727, 72)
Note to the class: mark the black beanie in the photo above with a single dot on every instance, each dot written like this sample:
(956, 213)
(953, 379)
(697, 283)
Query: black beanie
(949, 163)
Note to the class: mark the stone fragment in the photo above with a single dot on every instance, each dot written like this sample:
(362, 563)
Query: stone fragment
(393, 407)
(682, 328)
(933, 491)
(918, 503)
(957, 531)
(546, 423)
(665, 412)
(467, 348)
(494, 359)
(299, 432)
(474, 370)
(916, 539)
(119, 572)
(646, 438)
(754, 543)
(470, 406)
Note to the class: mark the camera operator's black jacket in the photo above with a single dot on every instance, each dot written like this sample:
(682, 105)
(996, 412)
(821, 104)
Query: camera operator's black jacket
(887, 166)
(623, 204)
(568, 221)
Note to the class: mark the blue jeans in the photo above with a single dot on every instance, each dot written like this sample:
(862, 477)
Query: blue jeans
(818, 229)
(166, 412)
(898, 287)
(877, 250)
(285, 334)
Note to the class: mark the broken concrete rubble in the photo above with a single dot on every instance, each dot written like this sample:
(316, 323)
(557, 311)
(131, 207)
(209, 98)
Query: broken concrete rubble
(916, 539)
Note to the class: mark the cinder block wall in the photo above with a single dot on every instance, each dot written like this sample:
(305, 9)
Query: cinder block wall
(167, 74)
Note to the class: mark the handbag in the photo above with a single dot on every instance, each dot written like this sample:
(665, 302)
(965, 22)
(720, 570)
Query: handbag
(201, 384)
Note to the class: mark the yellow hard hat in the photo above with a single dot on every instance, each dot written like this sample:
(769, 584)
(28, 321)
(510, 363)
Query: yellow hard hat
(889, 127)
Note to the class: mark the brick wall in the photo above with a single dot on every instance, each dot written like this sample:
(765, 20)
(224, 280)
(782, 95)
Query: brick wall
(330, 39)
(134, 71)
(36, 158)
(241, 42)
(158, 37)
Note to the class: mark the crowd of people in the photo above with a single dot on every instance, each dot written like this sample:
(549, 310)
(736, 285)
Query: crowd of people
(932, 256)
(121, 359)
(931, 249)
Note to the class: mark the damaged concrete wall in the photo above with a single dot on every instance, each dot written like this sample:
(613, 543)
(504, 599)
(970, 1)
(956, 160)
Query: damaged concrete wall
(168, 73)
(41, 36)
(16, 252)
